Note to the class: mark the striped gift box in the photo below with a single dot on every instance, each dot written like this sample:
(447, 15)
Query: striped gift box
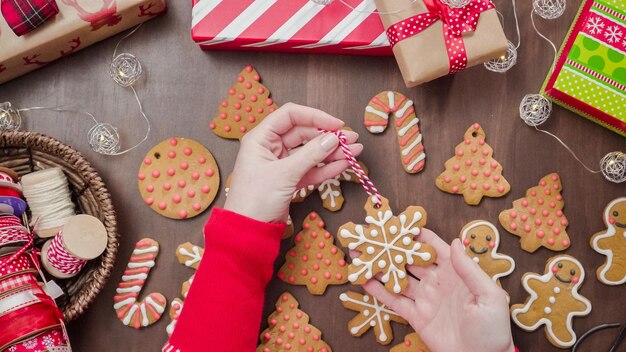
(589, 77)
(290, 26)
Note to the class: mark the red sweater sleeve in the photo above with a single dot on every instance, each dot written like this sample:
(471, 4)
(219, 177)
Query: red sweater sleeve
(222, 311)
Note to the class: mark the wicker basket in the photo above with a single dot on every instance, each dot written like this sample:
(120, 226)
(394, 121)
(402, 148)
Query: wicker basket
(26, 152)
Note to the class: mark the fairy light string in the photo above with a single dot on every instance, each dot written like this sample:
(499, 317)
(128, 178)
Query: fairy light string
(125, 70)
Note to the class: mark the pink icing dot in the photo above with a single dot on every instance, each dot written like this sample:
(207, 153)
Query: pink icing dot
(141, 176)
(182, 183)
(316, 267)
(476, 126)
(481, 142)
(455, 189)
(524, 217)
(538, 222)
(202, 160)
(540, 234)
(555, 177)
(559, 213)
(552, 205)
(486, 186)
(513, 214)
(487, 173)
(463, 179)
(269, 101)
(195, 176)
(559, 197)
(241, 96)
(496, 178)
(513, 226)
(474, 172)
(456, 167)
(251, 119)
(550, 222)
(542, 183)
(307, 329)
(227, 128)
(485, 152)
(533, 193)
(196, 206)
(187, 151)
(338, 276)
(209, 172)
(212, 126)
(313, 234)
(261, 90)
(237, 106)
(206, 189)
(237, 118)
(556, 231)
(555, 186)
(333, 250)
(223, 116)
(533, 211)
(171, 172)
(494, 164)
(342, 262)
(147, 161)
(167, 186)
(171, 154)
(176, 198)
(565, 243)
(474, 149)
(162, 205)
(224, 103)
(468, 142)
(501, 189)
(459, 152)
(540, 201)
(173, 142)
(544, 213)
(305, 258)
(551, 241)
(473, 185)
(446, 179)
(182, 214)
(327, 261)
(191, 193)
(243, 128)
(184, 165)
(547, 192)
(260, 110)
(149, 201)
(526, 228)
(327, 275)
(313, 280)
(482, 161)
(150, 188)
(304, 272)
(253, 98)
(563, 222)
(319, 256)
(156, 174)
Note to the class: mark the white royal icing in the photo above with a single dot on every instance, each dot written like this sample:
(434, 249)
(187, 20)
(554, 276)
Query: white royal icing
(611, 231)
(194, 255)
(381, 312)
(533, 297)
(494, 250)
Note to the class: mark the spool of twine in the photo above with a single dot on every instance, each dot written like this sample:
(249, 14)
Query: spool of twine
(82, 238)
(48, 196)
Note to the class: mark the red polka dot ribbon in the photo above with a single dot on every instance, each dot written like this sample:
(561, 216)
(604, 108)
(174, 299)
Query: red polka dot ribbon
(456, 21)
(367, 184)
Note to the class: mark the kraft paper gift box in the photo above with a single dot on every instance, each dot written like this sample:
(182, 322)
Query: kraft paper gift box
(78, 24)
(589, 77)
(423, 46)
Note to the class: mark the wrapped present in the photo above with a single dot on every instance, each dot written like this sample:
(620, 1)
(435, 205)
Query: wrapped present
(431, 39)
(78, 24)
(589, 76)
(289, 26)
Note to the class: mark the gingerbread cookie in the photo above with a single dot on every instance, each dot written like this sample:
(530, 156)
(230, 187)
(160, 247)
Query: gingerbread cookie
(376, 119)
(289, 230)
(612, 244)
(387, 244)
(371, 314)
(129, 310)
(473, 172)
(314, 261)
(289, 329)
(554, 300)
(412, 343)
(175, 308)
(329, 190)
(247, 104)
(189, 255)
(178, 178)
(481, 240)
(538, 218)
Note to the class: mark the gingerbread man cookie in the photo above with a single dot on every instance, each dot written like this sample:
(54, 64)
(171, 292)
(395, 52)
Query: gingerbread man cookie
(554, 300)
(289, 330)
(376, 119)
(386, 245)
(178, 178)
(129, 310)
(288, 230)
(329, 190)
(315, 261)
(481, 240)
(612, 243)
(412, 343)
(473, 172)
(247, 104)
(538, 218)
(372, 313)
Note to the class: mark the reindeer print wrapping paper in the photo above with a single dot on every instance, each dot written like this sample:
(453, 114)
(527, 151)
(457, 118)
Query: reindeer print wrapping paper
(82, 23)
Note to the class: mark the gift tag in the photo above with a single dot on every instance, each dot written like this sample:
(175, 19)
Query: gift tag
(53, 290)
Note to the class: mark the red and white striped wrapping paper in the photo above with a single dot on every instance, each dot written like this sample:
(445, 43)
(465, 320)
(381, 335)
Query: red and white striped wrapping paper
(289, 26)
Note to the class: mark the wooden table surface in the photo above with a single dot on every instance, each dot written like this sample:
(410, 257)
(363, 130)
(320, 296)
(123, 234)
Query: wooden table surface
(181, 92)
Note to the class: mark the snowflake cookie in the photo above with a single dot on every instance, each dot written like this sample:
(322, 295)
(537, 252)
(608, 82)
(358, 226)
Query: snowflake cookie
(387, 244)
(371, 314)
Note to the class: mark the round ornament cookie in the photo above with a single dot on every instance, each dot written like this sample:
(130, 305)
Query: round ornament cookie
(178, 178)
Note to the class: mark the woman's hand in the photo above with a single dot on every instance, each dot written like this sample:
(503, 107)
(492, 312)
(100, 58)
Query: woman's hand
(454, 306)
(283, 154)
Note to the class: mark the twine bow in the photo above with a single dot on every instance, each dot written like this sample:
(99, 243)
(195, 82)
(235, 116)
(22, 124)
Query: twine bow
(456, 21)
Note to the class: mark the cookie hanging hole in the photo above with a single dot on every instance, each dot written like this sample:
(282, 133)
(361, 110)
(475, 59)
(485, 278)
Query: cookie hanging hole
(474, 134)
(157, 155)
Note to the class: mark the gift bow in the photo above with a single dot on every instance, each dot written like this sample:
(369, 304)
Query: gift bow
(456, 21)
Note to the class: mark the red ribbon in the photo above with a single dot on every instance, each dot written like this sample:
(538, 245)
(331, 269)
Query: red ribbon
(456, 21)
(9, 192)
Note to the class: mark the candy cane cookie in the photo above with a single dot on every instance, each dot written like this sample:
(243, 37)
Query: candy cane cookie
(131, 312)
(376, 120)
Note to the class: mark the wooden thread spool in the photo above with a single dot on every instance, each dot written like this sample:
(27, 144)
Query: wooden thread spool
(48, 195)
(81, 239)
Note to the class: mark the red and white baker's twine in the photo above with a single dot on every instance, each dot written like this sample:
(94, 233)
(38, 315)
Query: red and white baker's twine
(367, 184)
(61, 259)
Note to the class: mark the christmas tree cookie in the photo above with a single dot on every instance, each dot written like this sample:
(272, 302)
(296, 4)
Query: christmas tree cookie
(538, 218)
(314, 261)
(247, 104)
(472, 171)
(289, 330)
(412, 343)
